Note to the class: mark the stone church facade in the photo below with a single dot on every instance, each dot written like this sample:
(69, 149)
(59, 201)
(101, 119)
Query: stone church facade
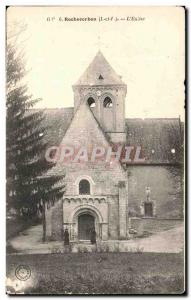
(99, 194)
(96, 192)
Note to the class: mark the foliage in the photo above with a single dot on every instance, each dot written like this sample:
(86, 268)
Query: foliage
(29, 187)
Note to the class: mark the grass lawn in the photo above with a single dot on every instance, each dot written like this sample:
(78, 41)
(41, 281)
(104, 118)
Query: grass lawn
(100, 273)
(157, 225)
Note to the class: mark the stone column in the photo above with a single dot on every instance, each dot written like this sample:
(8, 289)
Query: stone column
(104, 231)
(123, 218)
(74, 231)
(57, 221)
(98, 107)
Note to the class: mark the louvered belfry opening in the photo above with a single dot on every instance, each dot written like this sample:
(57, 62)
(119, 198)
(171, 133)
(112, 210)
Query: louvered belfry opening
(91, 102)
(107, 102)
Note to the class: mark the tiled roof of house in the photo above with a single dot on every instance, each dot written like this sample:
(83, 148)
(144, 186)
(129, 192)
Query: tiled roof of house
(161, 139)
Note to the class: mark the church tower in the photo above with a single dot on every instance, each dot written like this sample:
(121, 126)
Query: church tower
(104, 92)
(96, 191)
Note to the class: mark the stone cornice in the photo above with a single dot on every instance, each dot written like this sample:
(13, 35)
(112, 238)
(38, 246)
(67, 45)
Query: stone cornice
(85, 199)
(101, 87)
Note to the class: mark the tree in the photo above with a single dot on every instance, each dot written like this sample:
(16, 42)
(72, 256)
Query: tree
(29, 187)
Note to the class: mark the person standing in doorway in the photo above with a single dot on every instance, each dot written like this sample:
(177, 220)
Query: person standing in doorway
(66, 237)
(93, 236)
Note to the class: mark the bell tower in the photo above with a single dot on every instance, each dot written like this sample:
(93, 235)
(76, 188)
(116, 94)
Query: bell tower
(104, 92)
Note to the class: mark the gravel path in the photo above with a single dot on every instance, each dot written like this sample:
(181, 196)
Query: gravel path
(168, 241)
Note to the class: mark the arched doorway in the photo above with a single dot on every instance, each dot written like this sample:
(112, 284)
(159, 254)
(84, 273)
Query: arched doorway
(86, 223)
(80, 217)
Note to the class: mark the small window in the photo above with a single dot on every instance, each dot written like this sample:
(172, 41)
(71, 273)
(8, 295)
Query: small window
(107, 102)
(91, 102)
(101, 77)
(84, 187)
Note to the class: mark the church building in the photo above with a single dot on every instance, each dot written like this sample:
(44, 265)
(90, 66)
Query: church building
(96, 192)
(103, 194)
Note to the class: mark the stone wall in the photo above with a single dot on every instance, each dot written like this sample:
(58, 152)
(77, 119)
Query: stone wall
(165, 185)
(113, 213)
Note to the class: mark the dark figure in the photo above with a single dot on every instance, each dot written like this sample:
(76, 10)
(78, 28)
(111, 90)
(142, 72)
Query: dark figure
(93, 236)
(66, 237)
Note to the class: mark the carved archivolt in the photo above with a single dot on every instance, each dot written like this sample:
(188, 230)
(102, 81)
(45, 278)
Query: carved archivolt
(80, 209)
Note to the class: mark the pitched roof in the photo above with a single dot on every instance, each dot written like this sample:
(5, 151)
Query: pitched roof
(99, 72)
(161, 139)
(57, 120)
(85, 131)
(157, 136)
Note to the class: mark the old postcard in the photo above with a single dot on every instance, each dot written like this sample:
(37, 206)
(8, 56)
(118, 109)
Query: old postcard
(95, 150)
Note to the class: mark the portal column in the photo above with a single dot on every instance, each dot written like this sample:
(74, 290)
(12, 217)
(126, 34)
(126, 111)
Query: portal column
(123, 217)
(104, 231)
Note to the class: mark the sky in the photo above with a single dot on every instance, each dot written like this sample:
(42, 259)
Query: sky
(148, 54)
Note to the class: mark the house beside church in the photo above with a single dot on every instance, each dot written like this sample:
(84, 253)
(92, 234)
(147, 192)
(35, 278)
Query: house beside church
(104, 194)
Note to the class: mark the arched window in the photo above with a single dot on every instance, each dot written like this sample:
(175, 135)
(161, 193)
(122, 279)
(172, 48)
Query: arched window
(84, 187)
(91, 102)
(107, 102)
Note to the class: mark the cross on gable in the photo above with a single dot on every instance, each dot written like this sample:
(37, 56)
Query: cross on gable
(98, 44)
